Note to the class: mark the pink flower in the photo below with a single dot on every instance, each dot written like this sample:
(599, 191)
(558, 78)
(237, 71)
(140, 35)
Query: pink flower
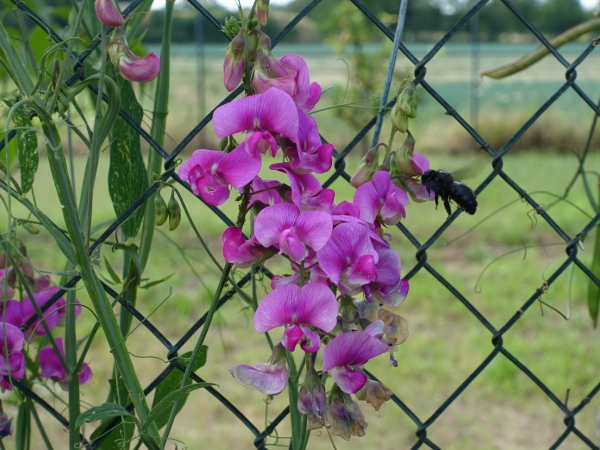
(291, 231)
(269, 72)
(387, 288)
(234, 64)
(11, 312)
(260, 115)
(298, 309)
(52, 368)
(349, 258)
(307, 192)
(211, 172)
(308, 154)
(306, 94)
(132, 67)
(240, 252)
(11, 344)
(347, 352)
(50, 316)
(108, 13)
(269, 378)
(345, 208)
(265, 192)
(381, 198)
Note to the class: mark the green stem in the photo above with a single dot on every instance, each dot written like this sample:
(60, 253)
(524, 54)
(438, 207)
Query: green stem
(72, 369)
(106, 316)
(158, 130)
(40, 427)
(211, 312)
(295, 416)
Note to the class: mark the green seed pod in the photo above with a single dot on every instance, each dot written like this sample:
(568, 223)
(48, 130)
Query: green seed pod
(407, 100)
(160, 210)
(174, 213)
(224, 143)
(31, 228)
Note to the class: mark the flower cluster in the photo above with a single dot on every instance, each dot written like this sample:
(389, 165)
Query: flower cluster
(336, 251)
(16, 314)
(129, 65)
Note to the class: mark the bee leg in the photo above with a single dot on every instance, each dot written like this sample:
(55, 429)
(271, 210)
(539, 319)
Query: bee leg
(447, 207)
(436, 201)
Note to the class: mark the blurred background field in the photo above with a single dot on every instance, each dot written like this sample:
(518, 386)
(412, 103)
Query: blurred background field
(502, 409)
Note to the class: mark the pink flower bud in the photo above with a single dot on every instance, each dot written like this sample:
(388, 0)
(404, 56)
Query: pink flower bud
(108, 13)
(132, 67)
(262, 11)
(234, 64)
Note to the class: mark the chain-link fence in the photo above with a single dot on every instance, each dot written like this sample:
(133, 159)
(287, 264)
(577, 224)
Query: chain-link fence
(420, 71)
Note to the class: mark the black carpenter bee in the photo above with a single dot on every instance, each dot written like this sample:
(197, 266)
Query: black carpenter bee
(443, 186)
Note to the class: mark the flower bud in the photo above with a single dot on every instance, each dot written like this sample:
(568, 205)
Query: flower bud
(31, 228)
(269, 71)
(160, 210)
(262, 11)
(174, 212)
(130, 66)
(234, 64)
(375, 394)
(312, 400)
(399, 119)
(6, 425)
(366, 169)
(108, 13)
(407, 100)
(231, 27)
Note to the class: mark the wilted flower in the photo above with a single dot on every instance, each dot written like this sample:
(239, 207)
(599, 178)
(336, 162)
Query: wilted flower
(347, 352)
(211, 172)
(51, 366)
(234, 64)
(291, 231)
(346, 417)
(130, 66)
(312, 400)
(395, 327)
(375, 394)
(313, 305)
(108, 13)
(269, 378)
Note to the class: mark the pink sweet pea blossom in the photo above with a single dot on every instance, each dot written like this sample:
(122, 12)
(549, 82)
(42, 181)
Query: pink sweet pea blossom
(11, 344)
(243, 253)
(265, 192)
(307, 192)
(291, 231)
(381, 198)
(298, 308)
(11, 312)
(269, 378)
(387, 288)
(211, 172)
(260, 115)
(108, 13)
(50, 316)
(52, 368)
(131, 66)
(349, 258)
(347, 352)
(306, 94)
(307, 153)
(269, 72)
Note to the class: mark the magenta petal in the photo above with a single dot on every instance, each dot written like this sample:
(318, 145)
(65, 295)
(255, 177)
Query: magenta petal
(272, 221)
(312, 342)
(50, 364)
(108, 13)
(11, 337)
(420, 163)
(16, 362)
(239, 168)
(212, 190)
(388, 266)
(350, 381)
(291, 336)
(85, 376)
(272, 111)
(14, 313)
(363, 272)
(139, 69)
(291, 245)
(375, 329)
(267, 378)
(367, 201)
(317, 307)
(277, 308)
(307, 94)
(314, 228)
(351, 349)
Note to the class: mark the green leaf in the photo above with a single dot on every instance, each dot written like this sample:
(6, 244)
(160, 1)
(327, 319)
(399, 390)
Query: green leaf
(165, 405)
(23, 431)
(26, 148)
(172, 382)
(111, 272)
(149, 284)
(127, 178)
(124, 432)
(104, 411)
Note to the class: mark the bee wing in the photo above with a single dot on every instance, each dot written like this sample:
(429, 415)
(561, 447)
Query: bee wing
(471, 170)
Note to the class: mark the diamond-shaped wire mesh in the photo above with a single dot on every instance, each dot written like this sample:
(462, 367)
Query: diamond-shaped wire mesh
(420, 72)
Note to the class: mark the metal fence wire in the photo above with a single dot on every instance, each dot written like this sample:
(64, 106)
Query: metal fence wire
(420, 72)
